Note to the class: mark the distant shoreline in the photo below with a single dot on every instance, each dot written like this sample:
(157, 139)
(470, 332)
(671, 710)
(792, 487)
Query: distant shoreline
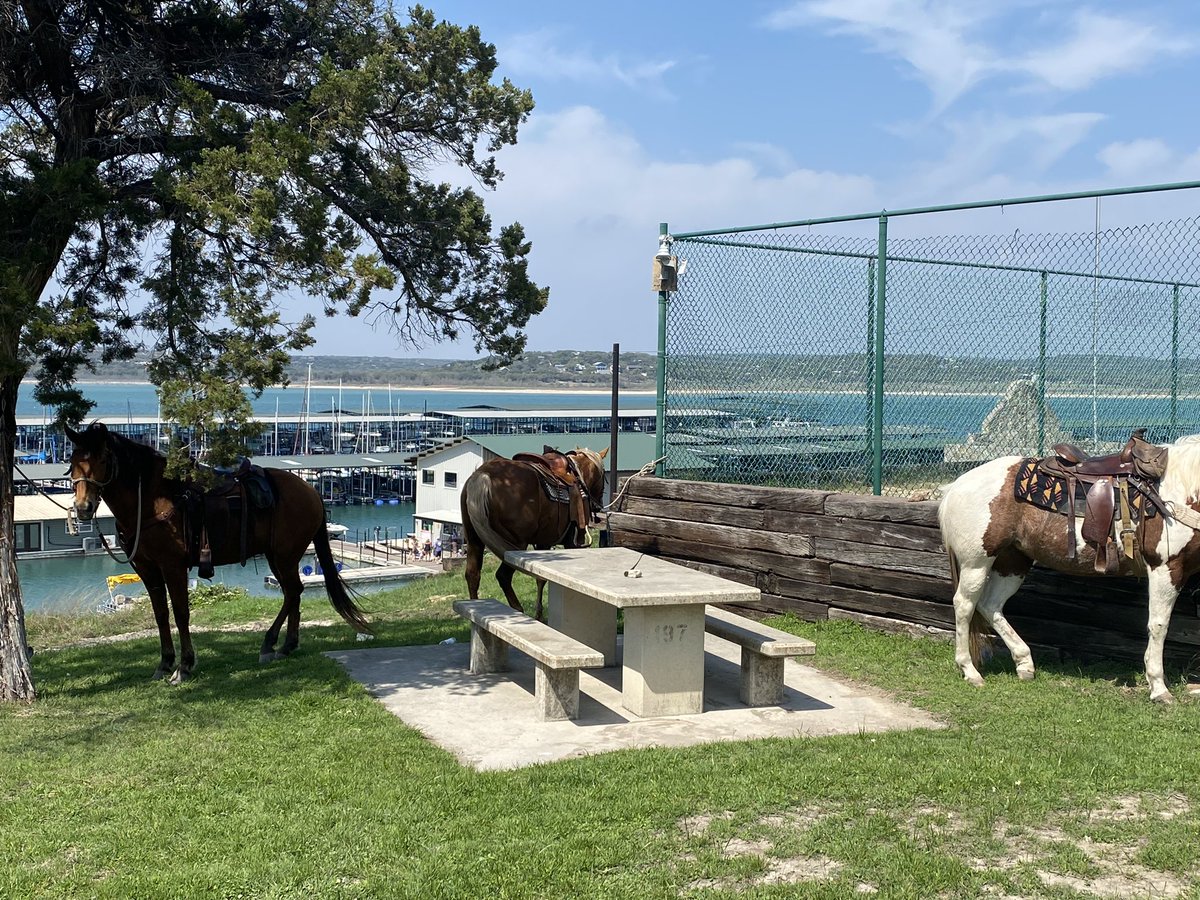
(430, 388)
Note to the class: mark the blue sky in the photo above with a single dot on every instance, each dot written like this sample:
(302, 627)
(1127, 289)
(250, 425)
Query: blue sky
(716, 114)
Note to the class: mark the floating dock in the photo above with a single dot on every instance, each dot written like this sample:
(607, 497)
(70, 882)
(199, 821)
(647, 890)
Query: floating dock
(361, 576)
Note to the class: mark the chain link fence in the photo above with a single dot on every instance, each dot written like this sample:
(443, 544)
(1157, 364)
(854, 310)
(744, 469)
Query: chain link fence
(890, 360)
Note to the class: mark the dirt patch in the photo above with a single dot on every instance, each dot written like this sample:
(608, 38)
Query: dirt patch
(1055, 852)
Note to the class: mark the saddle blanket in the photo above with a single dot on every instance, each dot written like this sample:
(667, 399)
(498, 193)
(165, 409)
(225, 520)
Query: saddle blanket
(1049, 492)
(556, 491)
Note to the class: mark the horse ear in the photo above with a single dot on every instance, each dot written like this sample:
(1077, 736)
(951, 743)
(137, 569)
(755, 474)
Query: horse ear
(603, 453)
(72, 434)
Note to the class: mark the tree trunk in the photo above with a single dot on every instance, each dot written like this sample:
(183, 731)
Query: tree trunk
(16, 675)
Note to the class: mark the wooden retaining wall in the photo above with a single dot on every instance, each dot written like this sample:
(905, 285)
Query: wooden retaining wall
(876, 560)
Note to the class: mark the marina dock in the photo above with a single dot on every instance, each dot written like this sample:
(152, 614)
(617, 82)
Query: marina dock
(371, 575)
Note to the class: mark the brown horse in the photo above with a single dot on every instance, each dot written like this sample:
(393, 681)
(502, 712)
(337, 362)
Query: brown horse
(504, 507)
(153, 527)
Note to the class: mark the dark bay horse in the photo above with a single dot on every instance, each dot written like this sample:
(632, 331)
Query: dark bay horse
(993, 539)
(153, 526)
(504, 507)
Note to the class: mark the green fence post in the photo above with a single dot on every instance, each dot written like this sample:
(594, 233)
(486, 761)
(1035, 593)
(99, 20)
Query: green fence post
(1174, 361)
(870, 355)
(660, 404)
(877, 415)
(1041, 375)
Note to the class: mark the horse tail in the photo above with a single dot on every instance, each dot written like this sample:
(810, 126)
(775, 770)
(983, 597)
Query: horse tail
(339, 594)
(477, 504)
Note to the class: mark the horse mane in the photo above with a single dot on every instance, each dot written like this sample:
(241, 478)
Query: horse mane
(134, 457)
(592, 456)
(1182, 477)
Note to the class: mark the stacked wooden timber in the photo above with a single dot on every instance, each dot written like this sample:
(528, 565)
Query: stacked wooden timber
(877, 560)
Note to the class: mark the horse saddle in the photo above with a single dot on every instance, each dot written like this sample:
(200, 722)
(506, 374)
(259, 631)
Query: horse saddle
(1116, 492)
(561, 484)
(228, 503)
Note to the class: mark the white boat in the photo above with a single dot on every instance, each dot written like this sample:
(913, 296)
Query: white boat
(335, 530)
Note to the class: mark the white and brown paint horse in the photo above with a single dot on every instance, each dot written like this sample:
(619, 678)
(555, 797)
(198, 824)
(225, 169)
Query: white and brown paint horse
(993, 540)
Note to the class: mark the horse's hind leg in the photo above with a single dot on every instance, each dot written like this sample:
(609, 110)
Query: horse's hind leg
(473, 567)
(267, 652)
(991, 608)
(972, 581)
(289, 581)
(504, 577)
(540, 614)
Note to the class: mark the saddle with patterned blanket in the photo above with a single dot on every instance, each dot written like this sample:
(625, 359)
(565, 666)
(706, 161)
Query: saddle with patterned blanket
(1116, 492)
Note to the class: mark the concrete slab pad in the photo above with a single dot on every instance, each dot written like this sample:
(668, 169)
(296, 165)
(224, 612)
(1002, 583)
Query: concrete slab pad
(491, 721)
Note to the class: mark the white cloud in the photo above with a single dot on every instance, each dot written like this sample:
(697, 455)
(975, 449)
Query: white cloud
(590, 197)
(1133, 159)
(538, 54)
(1098, 47)
(932, 37)
(988, 153)
(952, 46)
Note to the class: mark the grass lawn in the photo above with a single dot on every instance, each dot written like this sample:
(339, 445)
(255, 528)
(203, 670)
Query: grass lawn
(288, 780)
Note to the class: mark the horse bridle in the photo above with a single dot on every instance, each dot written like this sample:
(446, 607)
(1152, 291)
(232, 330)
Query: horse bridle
(573, 467)
(111, 457)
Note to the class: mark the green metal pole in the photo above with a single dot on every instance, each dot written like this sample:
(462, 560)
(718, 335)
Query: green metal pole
(870, 373)
(880, 302)
(1041, 375)
(1174, 360)
(660, 406)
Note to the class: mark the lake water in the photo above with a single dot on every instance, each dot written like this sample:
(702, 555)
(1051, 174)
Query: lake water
(75, 583)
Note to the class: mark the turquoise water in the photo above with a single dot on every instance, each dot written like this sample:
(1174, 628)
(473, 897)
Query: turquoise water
(77, 583)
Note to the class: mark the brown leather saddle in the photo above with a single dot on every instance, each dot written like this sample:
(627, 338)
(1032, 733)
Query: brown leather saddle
(1116, 491)
(228, 502)
(562, 483)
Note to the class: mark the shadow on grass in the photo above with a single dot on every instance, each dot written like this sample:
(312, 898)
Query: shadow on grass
(227, 663)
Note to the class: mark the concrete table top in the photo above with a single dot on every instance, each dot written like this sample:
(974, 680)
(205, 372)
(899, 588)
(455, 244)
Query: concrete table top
(601, 573)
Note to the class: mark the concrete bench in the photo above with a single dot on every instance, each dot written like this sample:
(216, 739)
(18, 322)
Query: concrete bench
(763, 651)
(495, 626)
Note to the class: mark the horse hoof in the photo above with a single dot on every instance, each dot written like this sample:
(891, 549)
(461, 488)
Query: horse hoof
(1025, 674)
(159, 674)
(974, 680)
(266, 656)
(179, 677)
(1165, 698)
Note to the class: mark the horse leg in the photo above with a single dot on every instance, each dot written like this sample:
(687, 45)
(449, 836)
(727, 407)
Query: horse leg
(474, 566)
(157, 590)
(289, 581)
(540, 616)
(504, 577)
(1163, 594)
(267, 652)
(177, 588)
(292, 588)
(996, 593)
(972, 582)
